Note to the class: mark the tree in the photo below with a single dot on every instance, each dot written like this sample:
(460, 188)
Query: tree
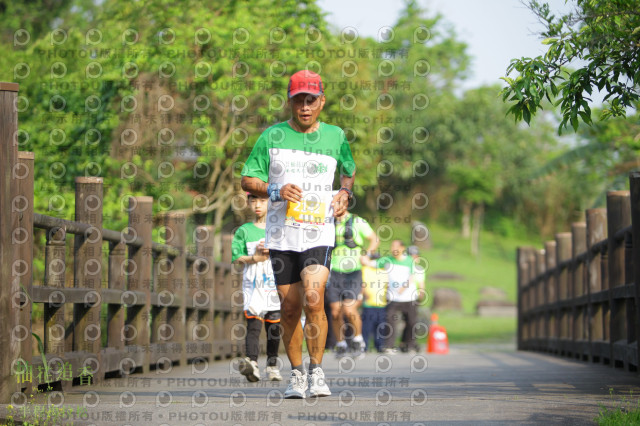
(163, 99)
(601, 41)
(601, 159)
(22, 21)
(412, 137)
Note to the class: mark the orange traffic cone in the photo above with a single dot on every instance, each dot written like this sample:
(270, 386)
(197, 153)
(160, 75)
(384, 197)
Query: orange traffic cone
(438, 340)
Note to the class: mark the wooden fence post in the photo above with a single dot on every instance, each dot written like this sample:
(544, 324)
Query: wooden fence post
(193, 298)
(141, 221)
(596, 232)
(87, 271)
(577, 289)
(618, 217)
(22, 238)
(160, 329)
(8, 159)
(563, 253)
(539, 297)
(550, 292)
(54, 276)
(523, 274)
(530, 298)
(175, 224)
(117, 281)
(234, 292)
(578, 247)
(203, 237)
(634, 181)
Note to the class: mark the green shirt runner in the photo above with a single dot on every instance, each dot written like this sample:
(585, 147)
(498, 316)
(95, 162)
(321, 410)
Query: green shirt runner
(258, 284)
(401, 286)
(345, 259)
(309, 160)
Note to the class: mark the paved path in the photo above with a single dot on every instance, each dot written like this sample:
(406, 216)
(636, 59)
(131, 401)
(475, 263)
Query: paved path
(471, 385)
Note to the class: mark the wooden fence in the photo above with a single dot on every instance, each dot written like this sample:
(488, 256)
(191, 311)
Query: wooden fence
(163, 306)
(580, 295)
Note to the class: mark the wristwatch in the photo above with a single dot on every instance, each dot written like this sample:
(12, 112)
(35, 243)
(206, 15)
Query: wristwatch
(348, 191)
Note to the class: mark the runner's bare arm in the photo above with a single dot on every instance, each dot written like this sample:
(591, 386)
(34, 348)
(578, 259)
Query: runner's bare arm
(254, 185)
(291, 192)
(367, 261)
(249, 260)
(373, 243)
(347, 181)
(340, 201)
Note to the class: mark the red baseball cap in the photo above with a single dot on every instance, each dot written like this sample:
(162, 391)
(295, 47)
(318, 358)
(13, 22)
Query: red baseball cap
(305, 81)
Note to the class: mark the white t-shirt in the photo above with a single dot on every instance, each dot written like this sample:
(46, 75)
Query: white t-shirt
(309, 160)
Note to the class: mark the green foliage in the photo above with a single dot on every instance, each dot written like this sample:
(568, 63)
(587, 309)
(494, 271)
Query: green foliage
(626, 413)
(91, 93)
(618, 417)
(167, 101)
(32, 17)
(598, 162)
(600, 40)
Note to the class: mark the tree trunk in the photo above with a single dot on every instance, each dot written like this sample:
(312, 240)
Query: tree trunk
(466, 219)
(478, 213)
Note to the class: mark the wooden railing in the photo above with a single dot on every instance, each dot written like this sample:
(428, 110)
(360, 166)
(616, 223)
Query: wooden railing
(157, 304)
(580, 295)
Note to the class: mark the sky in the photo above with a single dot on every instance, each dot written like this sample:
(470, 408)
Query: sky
(495, 31)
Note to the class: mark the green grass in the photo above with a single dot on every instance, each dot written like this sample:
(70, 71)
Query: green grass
(495, 266)
(474, 329)
(625, 414)
(619, 418)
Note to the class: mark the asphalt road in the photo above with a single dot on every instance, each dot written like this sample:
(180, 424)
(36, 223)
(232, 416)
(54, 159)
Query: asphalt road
(473, 385)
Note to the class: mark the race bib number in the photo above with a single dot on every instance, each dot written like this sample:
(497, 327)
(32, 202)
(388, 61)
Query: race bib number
(310, 212)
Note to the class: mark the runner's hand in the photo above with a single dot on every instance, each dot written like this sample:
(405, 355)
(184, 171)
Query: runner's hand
(291, 192)
(261, 250)
(339, 203)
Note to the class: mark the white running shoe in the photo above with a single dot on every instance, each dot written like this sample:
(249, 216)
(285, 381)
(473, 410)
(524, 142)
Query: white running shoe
(297, 386)
(340, 349)
(273, 374)
(317, 384)
(249, 369)
(358, 349)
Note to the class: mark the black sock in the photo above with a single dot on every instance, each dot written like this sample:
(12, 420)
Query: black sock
(313, 367)
(298, 367)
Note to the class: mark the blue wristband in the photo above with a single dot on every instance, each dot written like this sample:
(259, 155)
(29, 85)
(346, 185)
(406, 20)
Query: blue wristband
(273, 191)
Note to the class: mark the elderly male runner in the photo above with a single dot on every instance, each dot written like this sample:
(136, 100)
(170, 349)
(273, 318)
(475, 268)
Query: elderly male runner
(294, 164)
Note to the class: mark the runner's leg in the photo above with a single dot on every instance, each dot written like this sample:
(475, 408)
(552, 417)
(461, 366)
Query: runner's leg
(350, 309)
(412, 318)
(337, 321)
(273, 330)
(291, 312)
(252, 340)
(393, 314)
(314, 279)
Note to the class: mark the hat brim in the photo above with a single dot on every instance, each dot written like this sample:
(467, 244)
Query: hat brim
(316, 94)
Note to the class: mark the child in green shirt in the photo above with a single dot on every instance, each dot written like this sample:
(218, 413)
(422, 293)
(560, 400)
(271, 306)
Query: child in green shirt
(261, 302)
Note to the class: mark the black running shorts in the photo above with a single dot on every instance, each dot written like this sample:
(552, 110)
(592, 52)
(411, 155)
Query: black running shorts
(343, 286)
(288, 264)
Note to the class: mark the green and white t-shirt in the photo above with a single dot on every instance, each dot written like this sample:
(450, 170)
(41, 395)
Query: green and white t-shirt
(345, 259)
(309, 160)
(404, 274)
(258, 282)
